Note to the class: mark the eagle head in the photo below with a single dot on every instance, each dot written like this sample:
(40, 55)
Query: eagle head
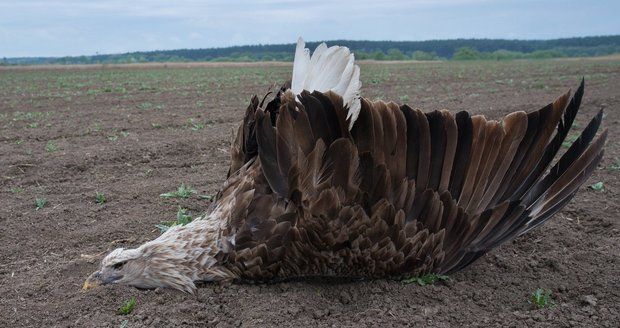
(176, 259)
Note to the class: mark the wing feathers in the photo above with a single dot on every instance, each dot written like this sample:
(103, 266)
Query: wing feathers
(402, 192)
(463, 152)
(328, 69)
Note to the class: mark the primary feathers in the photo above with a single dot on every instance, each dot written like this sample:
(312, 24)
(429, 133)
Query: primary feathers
(325, 183)
(329, 69)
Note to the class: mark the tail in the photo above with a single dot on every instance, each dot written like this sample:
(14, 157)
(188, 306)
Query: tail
(328, 69)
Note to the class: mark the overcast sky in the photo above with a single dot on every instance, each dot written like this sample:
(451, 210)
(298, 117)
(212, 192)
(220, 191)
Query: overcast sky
(72, 27)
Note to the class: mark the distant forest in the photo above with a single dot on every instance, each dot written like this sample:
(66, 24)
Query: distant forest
(459, 49)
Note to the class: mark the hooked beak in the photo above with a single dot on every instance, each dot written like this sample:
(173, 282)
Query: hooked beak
(94, 280)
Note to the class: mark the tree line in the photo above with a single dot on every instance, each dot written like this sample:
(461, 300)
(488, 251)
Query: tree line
(458, 49)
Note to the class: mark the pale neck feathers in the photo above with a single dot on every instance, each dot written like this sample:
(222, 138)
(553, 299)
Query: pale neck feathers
(184, 254)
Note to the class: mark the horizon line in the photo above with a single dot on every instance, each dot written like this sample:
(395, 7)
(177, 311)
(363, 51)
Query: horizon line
(311, 42)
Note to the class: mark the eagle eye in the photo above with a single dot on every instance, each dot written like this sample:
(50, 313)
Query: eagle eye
(119, 265)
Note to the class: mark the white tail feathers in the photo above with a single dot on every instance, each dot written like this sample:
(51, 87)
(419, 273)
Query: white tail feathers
(329, 69)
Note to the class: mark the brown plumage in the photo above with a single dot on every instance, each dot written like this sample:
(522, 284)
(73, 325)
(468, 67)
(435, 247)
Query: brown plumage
(367, 206)
(402, 193)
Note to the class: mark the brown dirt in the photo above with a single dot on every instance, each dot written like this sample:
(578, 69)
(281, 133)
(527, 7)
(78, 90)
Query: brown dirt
(135, 144)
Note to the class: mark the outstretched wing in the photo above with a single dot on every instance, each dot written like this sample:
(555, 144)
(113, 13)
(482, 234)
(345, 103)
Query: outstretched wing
(406, 191)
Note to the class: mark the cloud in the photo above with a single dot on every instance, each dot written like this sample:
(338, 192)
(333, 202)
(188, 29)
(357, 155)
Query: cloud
(71, 27)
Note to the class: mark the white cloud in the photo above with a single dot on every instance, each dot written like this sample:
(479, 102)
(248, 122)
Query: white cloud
(72, 27)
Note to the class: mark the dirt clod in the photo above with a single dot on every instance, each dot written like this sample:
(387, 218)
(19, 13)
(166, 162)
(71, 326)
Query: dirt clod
(589, 300)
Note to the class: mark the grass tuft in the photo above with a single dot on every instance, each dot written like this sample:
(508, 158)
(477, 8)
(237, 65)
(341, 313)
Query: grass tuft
(195, 126)
(427, 279)
(100, 198)
(616, 165)
(206, 197)
(183, 218)
(182, 192)
(51, 147)
(599, 186)
(569, 141)
(127, 307)
(541, 299)
(40, 203)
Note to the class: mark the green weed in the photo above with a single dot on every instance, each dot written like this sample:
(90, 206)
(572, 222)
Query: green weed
(195, 126)
(100, 198)
(206, 197)
(541, 299)
(127, 307)
(182, 192)
(569, 141)
(145, 106)
(183, 218)
(51, 147)
(599, 186)
(427, 279)
(616, 165)
(40, 203)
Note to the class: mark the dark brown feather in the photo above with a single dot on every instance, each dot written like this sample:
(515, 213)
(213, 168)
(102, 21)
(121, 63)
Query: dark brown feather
(403, 193)
(463, 153)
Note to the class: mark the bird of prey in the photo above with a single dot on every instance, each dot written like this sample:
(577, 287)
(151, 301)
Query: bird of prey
(326, 183)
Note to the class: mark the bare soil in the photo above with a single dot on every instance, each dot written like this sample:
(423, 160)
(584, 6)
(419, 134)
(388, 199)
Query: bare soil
(127, 133)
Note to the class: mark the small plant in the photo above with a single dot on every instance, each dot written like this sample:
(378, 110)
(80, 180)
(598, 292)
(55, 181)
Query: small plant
(541, 299)
(125, 134)
(97, 126)
(127, 307)
(404, 99)
(569, 141)
(124, 324)
(51, 147)
(113, 138)
(17, 190)
(100, 198)
(195, 126)
(181, 192)
(616, 165)
(144, 106)
(40, 203)
(206, 197)
(183, 218)
(427, 279)
(599, 186)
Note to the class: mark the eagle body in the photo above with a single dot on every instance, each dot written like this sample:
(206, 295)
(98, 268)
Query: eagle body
(323, 182)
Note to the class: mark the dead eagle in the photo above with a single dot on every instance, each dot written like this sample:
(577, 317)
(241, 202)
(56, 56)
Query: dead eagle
(325, 183)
